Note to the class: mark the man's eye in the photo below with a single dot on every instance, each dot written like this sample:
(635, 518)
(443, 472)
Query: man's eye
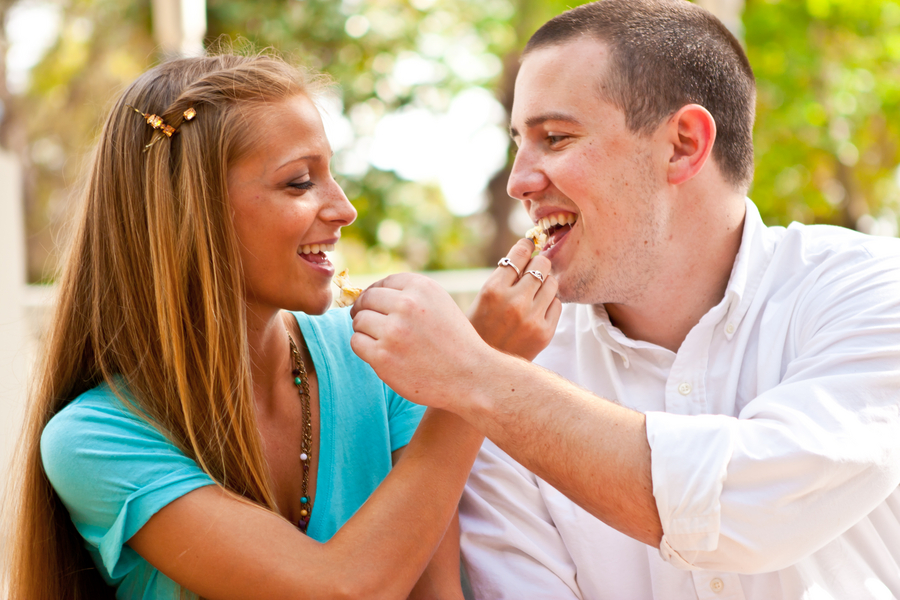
(302, 185)
(555, 139)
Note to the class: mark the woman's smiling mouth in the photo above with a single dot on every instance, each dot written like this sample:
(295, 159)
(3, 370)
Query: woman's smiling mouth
(315, 253)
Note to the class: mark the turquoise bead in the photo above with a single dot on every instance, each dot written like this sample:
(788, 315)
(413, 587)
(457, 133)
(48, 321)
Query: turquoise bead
(297, 381)
(304, 500)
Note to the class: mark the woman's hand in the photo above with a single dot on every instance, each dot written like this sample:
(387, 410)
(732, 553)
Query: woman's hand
(518, 314)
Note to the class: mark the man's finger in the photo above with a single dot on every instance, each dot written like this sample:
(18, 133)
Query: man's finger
(397, 281)
(381, 300)
(370, 323)
(363, 345)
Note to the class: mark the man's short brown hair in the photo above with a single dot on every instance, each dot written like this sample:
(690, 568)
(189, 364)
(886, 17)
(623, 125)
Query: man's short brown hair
(666, 54)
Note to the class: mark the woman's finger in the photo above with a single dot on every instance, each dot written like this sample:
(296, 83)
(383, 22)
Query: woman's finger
(544, 296)
(511, 267)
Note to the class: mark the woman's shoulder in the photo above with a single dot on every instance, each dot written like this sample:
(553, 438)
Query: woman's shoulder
(93, 427)
(97, 409)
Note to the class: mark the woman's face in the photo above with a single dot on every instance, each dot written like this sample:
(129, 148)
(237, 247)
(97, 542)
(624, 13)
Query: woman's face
(287, 209)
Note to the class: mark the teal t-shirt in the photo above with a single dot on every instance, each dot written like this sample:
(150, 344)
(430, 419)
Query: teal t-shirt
(113, 470)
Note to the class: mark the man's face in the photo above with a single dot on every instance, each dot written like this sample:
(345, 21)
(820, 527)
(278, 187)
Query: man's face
(578, 161)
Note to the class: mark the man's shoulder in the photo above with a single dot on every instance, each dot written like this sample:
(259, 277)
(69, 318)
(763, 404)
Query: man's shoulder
(822, 255)
(827, 241)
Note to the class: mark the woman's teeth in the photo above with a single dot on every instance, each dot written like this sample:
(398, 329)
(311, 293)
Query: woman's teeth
(316, 248)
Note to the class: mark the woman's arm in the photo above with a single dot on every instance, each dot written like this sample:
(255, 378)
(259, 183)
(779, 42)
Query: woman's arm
(223, 548)
(441, 578)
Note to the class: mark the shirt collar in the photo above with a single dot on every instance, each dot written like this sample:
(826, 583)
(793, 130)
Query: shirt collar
(754, 256)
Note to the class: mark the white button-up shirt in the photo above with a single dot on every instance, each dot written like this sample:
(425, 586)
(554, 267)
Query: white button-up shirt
(774, 435)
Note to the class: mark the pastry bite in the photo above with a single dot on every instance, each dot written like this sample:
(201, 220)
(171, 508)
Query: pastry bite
(349, 294)
(537, 235)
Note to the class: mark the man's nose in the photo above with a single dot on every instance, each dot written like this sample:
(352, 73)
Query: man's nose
(527, 175)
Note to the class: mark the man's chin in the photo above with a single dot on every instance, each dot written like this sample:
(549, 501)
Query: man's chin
(581, 291)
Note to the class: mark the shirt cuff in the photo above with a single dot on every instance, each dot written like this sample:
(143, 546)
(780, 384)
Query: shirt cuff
(689, 459)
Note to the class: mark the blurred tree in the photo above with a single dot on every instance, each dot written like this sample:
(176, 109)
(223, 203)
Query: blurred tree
(102, 46)
(826, 132)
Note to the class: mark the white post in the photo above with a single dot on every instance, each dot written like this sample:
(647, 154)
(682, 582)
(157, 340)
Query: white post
(16, 349)
(179, 26)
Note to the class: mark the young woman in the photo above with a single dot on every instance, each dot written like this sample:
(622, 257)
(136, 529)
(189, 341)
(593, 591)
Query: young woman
(200, 425)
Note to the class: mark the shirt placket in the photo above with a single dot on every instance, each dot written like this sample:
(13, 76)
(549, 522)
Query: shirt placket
(686, 384)
(711, 585)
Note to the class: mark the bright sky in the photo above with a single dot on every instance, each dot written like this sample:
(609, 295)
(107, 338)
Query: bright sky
(31, 28)
(459, 149)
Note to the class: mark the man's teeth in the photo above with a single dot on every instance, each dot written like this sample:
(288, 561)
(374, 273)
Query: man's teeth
(316, 248)
(557, 219)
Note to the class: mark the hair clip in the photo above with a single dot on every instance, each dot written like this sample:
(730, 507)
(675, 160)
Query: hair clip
(156, 122)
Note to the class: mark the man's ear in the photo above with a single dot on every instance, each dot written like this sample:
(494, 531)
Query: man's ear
(692, 133)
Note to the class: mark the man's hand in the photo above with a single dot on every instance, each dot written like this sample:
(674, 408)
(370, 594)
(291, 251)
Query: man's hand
(416, 338)
(518, 314)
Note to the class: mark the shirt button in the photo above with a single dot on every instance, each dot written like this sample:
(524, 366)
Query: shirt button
(684, 389)
(625, 361)
(717, 585)
(729, 329)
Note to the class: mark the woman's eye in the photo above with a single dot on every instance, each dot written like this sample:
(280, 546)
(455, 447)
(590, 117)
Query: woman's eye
(302, 185)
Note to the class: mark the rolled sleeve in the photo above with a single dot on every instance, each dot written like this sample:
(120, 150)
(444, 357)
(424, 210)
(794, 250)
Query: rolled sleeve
(797, 469)
(688, 496)
(813, 451)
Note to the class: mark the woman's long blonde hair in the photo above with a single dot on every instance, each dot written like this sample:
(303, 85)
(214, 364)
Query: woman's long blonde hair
(151, 299)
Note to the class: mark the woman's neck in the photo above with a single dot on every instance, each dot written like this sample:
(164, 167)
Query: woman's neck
(269, 350)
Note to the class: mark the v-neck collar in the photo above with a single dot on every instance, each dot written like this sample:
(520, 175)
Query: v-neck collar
(325, 471)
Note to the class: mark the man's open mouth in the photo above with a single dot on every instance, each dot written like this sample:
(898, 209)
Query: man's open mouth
(551, 229)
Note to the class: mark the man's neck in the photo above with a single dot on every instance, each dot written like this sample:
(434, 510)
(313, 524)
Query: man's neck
(693, 283)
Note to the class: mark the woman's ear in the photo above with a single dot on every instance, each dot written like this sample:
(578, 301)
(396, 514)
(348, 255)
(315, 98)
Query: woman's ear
(692, 133)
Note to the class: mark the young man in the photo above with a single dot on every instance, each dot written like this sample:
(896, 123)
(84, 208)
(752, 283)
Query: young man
(732, 428)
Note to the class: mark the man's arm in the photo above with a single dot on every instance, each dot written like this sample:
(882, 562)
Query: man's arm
(592, 450)
(804, 461)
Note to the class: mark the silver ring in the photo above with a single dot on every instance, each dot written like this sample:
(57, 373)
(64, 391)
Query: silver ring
(505, 262)
(536, 274)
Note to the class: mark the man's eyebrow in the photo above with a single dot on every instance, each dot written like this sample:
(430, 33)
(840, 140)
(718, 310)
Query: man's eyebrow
(541, 119)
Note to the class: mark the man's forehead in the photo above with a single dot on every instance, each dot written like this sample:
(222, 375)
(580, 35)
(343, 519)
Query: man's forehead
(558, 83)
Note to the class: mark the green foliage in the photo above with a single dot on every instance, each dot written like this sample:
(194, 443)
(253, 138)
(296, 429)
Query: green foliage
(827, 131)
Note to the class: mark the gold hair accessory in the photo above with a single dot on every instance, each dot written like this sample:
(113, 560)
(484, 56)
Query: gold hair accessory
(156, 122)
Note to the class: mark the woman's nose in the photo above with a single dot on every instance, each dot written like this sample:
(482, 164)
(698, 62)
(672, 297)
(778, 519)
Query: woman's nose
(338, 210)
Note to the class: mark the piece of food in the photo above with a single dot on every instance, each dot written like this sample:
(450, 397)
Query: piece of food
(537, 235)
(349, 294)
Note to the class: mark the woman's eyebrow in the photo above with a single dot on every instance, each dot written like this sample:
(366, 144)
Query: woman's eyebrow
(308, 157)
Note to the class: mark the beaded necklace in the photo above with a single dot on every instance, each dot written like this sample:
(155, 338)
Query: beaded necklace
(302, 382)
